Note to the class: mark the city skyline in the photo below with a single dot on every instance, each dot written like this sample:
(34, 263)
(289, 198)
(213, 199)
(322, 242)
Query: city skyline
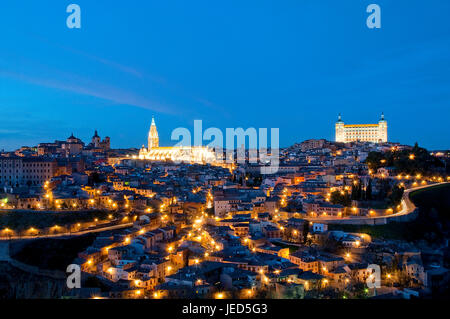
(206, 142)
(180, 152)
(269, 67)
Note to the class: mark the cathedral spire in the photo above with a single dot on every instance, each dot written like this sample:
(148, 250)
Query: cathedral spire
(153, 139)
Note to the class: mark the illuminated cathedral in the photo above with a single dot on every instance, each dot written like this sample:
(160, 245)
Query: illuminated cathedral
(186, 154)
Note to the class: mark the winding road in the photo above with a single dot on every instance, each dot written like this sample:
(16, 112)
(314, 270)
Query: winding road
(407, 207)
(61, 235)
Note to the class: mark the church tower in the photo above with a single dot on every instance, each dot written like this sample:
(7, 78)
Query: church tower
(153, 139)
(96, 140)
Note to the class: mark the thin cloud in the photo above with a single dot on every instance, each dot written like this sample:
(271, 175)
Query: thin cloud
(90, 88)
(132, 71)
(123, 68)
(57, 79)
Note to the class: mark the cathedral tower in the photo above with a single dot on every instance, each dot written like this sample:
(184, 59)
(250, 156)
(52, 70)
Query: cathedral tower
(153, 139)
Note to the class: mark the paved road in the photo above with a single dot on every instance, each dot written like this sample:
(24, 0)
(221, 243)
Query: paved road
(84, 232)
(407, 208)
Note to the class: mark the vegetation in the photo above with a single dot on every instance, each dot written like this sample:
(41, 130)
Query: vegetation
(251, 180)
(358, 193)
(292, 248)
(415, 161)
(53, 254)
(340, 198)
(389, 195)
(95, 178)
(94, 282)
(432, 224)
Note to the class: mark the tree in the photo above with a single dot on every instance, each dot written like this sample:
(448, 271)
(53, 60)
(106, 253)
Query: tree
(396, 195)
(369, 190)
(384, 188)
(341, 199)
(359, 191)
(305, 231)
(374, 160)
(354, 190)
(95, 178)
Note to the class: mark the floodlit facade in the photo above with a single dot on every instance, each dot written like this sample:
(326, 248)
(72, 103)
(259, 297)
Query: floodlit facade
(186, 154)
(375, 133)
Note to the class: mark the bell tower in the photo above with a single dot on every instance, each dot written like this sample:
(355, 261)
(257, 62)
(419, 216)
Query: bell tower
(153, 139)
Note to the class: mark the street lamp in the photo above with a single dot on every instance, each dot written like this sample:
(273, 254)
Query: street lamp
(219, 295)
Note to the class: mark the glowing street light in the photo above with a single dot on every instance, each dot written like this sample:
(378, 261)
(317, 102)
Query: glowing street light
(220, 295)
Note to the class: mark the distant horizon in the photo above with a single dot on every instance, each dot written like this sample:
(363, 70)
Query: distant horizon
(87, 140)
(293, 65)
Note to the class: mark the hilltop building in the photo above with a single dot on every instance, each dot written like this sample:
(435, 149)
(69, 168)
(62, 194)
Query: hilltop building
(375, 133)
(98, 143)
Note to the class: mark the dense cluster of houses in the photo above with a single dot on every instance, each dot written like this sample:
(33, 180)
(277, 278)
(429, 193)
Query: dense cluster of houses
(206, 231)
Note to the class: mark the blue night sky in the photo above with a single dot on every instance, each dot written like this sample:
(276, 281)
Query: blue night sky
(292, 64)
